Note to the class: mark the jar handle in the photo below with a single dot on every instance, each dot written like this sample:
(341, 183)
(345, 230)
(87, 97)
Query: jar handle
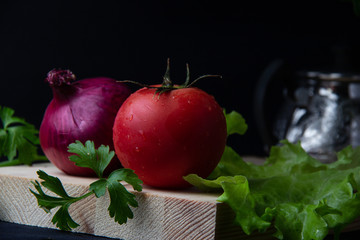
(259, 97)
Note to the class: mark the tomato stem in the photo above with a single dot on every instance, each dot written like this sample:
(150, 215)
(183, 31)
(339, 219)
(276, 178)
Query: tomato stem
(167, 84)
(201, 77)
(187, 80)
(166, 81)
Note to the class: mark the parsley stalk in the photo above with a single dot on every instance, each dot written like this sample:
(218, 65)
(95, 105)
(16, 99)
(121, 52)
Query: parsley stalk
(96, 159)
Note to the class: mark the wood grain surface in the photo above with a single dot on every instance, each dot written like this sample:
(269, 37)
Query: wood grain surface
(162, 214)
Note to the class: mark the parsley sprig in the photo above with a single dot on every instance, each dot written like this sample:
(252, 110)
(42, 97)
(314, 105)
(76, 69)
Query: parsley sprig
(96, 159)
(19, 140)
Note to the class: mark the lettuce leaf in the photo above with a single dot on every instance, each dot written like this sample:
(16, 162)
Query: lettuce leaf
(291, 191)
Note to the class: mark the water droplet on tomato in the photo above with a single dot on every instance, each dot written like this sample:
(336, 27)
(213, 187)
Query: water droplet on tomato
(131, 117)
(210, 108)
(137, 149)
(189, 101)
(142, 134)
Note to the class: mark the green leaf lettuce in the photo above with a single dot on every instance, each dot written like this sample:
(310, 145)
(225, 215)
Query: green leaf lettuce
(291, 191)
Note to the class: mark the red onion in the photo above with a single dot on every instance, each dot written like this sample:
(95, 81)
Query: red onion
(81, 110)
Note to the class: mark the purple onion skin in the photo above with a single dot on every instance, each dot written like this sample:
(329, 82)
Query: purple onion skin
(82, 110)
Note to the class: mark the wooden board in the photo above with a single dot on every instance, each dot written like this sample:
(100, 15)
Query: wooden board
(161, 214)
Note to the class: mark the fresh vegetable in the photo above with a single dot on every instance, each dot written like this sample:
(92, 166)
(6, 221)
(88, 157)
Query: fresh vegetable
(96, 160)
(292, 192)
(166, 132)
(19, 141)
(82, 110)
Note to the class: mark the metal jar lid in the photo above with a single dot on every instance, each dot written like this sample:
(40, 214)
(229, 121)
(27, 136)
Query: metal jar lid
(330, 76)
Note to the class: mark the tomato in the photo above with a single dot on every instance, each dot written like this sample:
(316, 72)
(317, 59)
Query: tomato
(166, 136)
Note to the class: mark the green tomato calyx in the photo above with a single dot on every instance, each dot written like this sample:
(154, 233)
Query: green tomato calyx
(168, 85)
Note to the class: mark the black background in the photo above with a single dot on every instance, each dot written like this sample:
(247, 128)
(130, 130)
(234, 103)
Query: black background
(133, 39)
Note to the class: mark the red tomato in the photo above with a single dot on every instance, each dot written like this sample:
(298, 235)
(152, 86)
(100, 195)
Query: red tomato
(168, 136)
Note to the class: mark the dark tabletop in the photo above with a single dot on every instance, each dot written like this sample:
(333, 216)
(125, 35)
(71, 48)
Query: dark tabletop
(13, 231)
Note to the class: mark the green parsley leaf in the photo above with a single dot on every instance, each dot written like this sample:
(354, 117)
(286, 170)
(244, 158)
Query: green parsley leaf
(88, 156)
(62, 218)
(120, 198)
(18, 140)
(99, 187)
(97, 159)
